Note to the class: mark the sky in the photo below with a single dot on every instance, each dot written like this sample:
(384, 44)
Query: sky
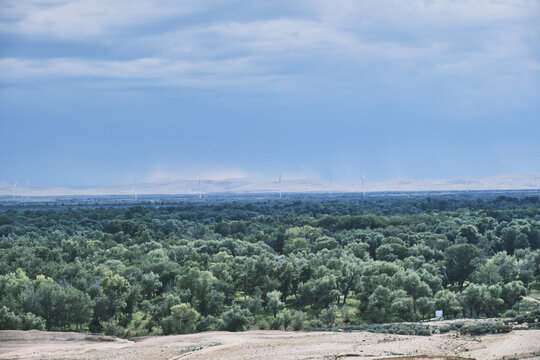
(96, 92)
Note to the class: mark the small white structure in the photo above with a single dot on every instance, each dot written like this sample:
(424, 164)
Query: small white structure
(438, 314)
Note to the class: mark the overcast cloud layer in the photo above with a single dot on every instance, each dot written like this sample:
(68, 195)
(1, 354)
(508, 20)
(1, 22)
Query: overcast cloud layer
(96, 92)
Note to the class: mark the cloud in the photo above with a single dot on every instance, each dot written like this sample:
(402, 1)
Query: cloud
(239, 72)
(391, 49)
(80, 19)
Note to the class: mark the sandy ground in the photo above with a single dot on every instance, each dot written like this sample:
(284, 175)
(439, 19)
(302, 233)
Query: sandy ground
(522, 344)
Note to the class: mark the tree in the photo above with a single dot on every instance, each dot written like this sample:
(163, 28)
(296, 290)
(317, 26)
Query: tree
(12, 288)
(447, 301)
(350, 272)
(401, 305)
(273, 301)
(78, 306)
(425, 305)
(469, 232)
(410, 281)
(473, 298)
(181, 321)
(115, 288)
(379, 302)
(512, 293)
(150, 284)
(461, 260)
(391, 249)
(492, 301)
(46, 301)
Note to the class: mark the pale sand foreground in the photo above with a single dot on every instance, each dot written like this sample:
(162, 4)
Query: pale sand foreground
(524, 344)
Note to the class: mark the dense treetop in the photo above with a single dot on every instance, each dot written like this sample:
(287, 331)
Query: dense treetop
(177, 267)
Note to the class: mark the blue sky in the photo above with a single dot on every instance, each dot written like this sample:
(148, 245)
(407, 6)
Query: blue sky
(96, 92)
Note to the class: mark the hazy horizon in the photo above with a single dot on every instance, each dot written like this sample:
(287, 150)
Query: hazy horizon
(95, 93)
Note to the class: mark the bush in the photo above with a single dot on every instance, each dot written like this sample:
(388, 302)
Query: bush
(451, 327)
(261, 323)
(236, 319)
(297, 320)
(509, 314)
(530, 318)
(482, 328)
(113, 329)
(400, 329)
(8, 320)
(32, 322)
(156, 331)
(207, 323)
(276, 323)
(346, 314)
(328, 316)
(95, 326)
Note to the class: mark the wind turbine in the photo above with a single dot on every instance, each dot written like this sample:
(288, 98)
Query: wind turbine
(279, 186)
(466, 184)
(14, 192)
(133, 190)
(400, 184)
(363, 180)
(200, 192)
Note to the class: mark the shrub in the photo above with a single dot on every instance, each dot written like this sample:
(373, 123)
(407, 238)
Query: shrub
(32, 322)
(276, 323)
(156, 331)
(509, 314)
(328, 316)
(346, 314)
(236, 319)
(531, 317)
(95, 326)
(261, 323)
(399, 328)
(297, 320)
(8, 320)
(481, 328)
(451, 327)
(207, 323)
(113, 329)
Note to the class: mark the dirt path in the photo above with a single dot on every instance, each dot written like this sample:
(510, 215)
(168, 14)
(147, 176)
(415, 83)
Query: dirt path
(529, 298)
(523, 344)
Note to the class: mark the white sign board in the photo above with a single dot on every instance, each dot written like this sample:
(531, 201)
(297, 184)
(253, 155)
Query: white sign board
(438, 313)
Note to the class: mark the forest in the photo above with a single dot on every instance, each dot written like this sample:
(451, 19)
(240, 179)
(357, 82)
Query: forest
(157, 268)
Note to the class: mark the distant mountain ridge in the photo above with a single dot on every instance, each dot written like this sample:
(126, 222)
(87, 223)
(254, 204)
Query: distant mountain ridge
(247, 186)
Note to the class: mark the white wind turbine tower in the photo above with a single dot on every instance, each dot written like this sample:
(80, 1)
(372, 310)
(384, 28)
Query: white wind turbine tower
(363, 180)
(279, 185)
(199, 184)
(133, 190)
(14, 189)
(400, 184)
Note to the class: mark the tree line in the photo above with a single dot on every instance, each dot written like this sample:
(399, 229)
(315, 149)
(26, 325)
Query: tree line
(265, 263)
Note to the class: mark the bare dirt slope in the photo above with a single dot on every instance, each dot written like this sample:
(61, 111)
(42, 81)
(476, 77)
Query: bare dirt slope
(268, 345)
